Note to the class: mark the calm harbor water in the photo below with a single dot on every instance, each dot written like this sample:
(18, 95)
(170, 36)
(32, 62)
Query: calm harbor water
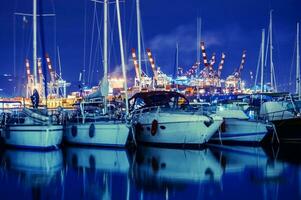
(219, 172)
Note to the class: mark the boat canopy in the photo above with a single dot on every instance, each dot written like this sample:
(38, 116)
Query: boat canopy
(274, 110)
(167, 99)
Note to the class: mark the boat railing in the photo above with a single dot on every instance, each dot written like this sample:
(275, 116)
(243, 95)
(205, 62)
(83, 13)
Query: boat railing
(145, 109)
(280, 115)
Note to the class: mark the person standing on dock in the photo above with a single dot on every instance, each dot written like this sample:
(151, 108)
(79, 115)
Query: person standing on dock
(35, 98)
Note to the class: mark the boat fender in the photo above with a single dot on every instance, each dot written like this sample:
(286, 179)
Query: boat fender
(7, 134)
(155, 164)
(74, 131)
(74, 161)
(92, 130)
(209, 173)
(154, 127)
(223, 126)
(208, 123)
(7, 163)
(138, 128)
(92, 162)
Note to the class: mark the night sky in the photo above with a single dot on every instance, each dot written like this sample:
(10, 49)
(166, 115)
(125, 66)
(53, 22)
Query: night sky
(227, 26)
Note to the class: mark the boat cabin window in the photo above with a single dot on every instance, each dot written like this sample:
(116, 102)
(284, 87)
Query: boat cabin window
(139, 103)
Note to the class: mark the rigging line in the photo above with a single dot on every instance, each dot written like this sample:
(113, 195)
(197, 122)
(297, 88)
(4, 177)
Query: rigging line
(110, 31)
(112, 47)
(130, 30)
(14, 45)
(97, 48)
(29, 36)
(99, 29)
(95, 60)
(92, 40)
(277, 52)
(266, 56)
(54, 35)
(267, 49)
(292, 65)
(257, 68)
(143, 56)
(85, 38)
(126, 37)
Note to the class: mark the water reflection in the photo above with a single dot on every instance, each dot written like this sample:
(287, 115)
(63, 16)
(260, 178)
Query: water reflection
(251, 170)
(218, 172)
(94, 173)
(159, 172)
(31, 173)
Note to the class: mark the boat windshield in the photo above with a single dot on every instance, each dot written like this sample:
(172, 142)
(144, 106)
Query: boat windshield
(163, 99)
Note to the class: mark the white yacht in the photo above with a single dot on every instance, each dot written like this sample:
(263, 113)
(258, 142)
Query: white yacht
(238, 128)
(162, 118)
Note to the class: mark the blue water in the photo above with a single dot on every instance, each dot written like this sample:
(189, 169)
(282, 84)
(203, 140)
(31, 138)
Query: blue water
(152, 173)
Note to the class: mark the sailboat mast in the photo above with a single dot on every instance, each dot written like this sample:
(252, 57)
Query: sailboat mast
(139, 40)
(122, 56)
(271, 52)
(262, 60)
(177, 57)
(105, 40)
(105, 53)
(298, 83)
(34, 44)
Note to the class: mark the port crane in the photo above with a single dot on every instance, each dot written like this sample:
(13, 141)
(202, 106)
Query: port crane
(161, 80)
(233, 82)
(56, 86)
(145, 81)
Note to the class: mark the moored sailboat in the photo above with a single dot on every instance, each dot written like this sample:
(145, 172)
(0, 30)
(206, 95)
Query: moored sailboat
(100, 128)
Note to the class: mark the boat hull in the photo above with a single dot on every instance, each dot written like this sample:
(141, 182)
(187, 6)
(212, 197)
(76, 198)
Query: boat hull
(288, 130)
(241, 131)
(33, 136)
(114, 134)
(175, 129)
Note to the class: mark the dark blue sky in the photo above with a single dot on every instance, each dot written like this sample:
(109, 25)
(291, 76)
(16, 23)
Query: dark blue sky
(227, 26)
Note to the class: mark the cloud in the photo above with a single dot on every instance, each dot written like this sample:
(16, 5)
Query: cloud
(117, 70)
(163, 46)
